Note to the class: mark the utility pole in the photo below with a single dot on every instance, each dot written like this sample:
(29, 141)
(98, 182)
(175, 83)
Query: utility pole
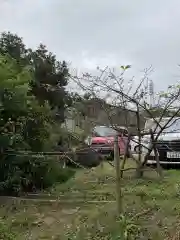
(151, 93)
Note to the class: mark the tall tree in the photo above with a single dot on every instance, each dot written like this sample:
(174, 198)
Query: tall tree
(50, 77)
(13, 45)
(24, 124)
(50, 80)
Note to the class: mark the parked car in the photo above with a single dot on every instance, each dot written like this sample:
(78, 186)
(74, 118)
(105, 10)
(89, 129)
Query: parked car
(102, 139)
(168, 142)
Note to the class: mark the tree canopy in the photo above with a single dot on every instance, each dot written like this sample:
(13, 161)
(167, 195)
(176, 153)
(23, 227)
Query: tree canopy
(32, 95)
(49, 77)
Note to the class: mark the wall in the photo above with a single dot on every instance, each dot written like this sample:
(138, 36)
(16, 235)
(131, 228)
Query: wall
(98, 113)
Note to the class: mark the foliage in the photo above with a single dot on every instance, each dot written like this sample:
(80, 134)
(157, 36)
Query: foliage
(127, 229)
(33, 100)
(18, 107)
(24, 125)
(28, 174)
(50, 76)
(5, 233)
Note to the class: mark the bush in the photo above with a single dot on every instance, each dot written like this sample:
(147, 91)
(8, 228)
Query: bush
(29, 174)
(87, 157)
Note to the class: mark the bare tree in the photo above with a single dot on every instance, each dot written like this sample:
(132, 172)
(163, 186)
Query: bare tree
(132, 96)
(115, 92)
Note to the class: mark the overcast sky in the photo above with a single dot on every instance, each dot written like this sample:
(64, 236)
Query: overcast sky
(102, 32)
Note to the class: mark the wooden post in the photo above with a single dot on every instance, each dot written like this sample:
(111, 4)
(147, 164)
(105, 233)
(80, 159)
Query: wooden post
(118, 176)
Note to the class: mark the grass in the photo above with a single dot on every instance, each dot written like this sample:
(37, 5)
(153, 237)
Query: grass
(151, 209)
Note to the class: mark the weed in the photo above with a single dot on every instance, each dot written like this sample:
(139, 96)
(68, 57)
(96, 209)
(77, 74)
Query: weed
(6, 233)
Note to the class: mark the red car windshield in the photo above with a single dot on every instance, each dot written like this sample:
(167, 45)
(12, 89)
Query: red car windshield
(102, 131)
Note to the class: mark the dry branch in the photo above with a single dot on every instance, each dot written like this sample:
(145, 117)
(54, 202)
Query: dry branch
(107, 83)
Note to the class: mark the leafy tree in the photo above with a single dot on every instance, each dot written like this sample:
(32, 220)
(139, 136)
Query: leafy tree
(24, 124)
(49, 78)
(13, 45)
(32, 94)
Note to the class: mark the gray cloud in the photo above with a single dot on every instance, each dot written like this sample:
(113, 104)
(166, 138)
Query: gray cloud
(89, 32)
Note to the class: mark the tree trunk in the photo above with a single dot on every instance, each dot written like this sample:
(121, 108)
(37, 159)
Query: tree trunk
(125, 156)
(139, 171)
(159, 169)
(118, 176)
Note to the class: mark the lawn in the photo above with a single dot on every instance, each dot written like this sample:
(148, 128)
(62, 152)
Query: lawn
(85, 208)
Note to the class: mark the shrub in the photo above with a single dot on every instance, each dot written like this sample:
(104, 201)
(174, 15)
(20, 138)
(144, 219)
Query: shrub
(87, 157)
(28, 174)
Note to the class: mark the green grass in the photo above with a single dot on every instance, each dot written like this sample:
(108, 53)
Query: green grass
(151, 209)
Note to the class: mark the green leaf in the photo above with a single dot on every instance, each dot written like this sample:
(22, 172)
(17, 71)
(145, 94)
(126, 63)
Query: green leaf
(164, 95)
(125, 67)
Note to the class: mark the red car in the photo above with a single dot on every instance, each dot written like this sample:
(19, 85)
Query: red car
(102, 139)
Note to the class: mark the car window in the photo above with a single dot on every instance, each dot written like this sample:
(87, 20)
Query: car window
(172, 126)
(102, 131)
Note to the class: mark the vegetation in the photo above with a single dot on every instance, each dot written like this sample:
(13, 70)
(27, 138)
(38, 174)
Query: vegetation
(87, 208)
(50, 77)
(33, 101)
(30, 107)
